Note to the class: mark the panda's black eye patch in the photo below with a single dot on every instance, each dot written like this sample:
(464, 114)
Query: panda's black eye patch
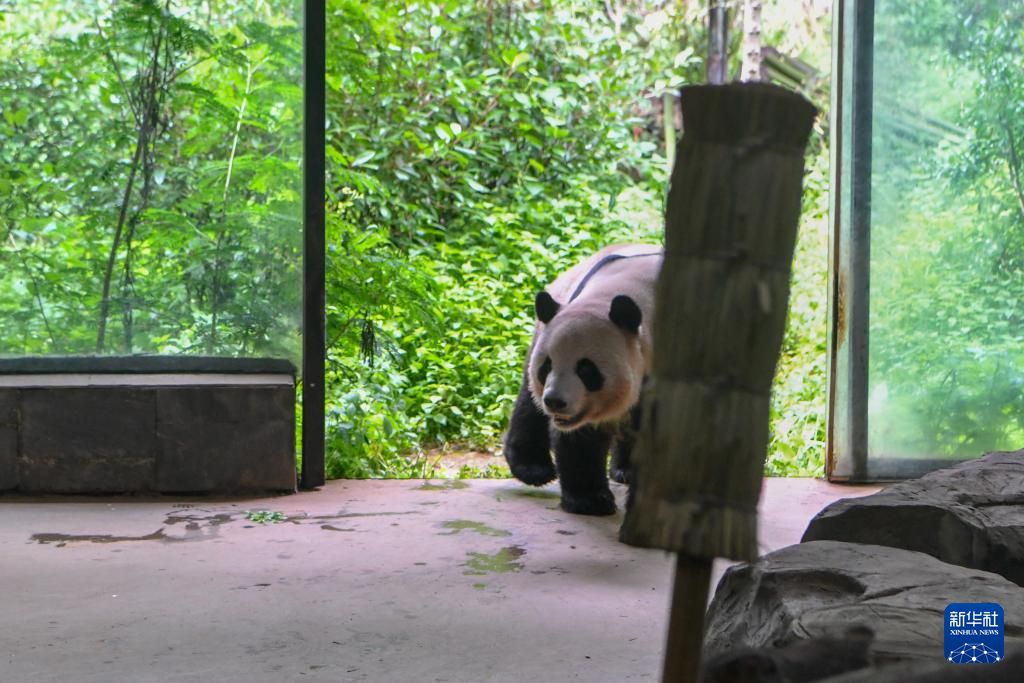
(588, 373)
(544, 370)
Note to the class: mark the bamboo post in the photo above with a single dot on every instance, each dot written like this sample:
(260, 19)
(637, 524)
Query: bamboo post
(719, 320)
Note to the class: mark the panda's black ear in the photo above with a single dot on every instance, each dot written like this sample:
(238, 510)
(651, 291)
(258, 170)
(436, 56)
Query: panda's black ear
(545, 306)
(625, 313)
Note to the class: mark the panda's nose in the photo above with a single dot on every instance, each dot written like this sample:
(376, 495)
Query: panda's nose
(553, 402)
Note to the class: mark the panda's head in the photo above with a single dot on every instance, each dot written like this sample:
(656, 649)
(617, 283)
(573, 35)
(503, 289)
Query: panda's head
(586, 367)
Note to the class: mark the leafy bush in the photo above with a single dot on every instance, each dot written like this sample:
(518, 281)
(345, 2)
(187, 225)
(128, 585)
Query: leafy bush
(149, 178)
(487, 149)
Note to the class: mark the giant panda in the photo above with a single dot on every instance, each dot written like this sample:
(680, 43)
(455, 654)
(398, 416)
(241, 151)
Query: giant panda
(588, 358)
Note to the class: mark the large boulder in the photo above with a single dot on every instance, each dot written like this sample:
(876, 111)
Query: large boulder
(823, 589)
(803, 661)
(971, 515)
(1010, 670)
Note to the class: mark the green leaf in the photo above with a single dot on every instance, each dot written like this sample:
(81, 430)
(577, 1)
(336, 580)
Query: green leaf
(519, 60)
(363, 158)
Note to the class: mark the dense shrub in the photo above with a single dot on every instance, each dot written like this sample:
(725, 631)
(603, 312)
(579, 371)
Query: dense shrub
(486, 147)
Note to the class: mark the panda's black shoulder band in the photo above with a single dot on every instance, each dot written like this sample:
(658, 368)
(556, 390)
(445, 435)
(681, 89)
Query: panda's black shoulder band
(601, 264)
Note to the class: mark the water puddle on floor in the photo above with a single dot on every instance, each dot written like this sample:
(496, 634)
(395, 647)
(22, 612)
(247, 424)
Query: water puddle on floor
(458, 525)
(502, 562)
(543, 494)
(445, 485)
(61, 540)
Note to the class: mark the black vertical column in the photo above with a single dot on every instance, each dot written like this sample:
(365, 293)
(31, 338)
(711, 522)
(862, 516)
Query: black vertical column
(861, 114)
(314, 254)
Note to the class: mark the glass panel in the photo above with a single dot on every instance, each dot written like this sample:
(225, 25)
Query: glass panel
(946, 359)
(150, 177)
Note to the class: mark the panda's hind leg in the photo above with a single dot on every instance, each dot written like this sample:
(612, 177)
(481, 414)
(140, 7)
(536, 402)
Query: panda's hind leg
(581, 456)
(528, 441)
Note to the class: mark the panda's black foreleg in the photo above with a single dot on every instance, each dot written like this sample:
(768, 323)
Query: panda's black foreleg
(528, 441)
(581, 456)
(621, 469)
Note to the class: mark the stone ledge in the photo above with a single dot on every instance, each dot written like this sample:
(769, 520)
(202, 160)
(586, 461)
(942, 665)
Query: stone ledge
(164, 438)
(970, 515)
(29, 365)
(822, 589)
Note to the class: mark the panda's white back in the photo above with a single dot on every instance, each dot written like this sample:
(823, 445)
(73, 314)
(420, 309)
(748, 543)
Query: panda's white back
(634, 277)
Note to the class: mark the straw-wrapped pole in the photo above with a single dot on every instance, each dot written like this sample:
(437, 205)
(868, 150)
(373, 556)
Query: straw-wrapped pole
(720, 316)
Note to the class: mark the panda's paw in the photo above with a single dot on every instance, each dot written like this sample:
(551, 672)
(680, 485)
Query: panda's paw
(535, 474)
(619, 474)
(600, 503)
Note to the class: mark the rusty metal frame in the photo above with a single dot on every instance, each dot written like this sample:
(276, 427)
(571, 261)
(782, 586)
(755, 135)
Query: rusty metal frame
(850, 240)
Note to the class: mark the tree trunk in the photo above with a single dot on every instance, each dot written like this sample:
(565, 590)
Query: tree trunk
(211, 343)
(719, 319)
(147, 123)
(668, 115)
(718, 42)
(751, 69)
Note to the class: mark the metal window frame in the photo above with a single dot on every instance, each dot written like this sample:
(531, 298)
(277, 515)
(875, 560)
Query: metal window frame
(850, 249)
(314, 295)
(847, 453)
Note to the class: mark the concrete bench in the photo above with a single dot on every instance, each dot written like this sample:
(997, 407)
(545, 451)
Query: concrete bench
(147, 424)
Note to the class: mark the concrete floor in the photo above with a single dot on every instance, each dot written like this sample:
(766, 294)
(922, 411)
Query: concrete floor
(400, 581)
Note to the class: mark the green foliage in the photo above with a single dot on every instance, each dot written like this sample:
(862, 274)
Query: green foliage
(493, 471)
(149, 178)
(800, 394)
(486, 149)
(265, 516)
(948, 231)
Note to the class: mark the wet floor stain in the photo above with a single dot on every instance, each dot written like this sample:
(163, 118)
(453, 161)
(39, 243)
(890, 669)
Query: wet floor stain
(194, 531)
(61, 540)
(303, 517)
(502, 562)
(445, 485)
(543, 494)
(457, 525)
(198, 527)
(202, 520)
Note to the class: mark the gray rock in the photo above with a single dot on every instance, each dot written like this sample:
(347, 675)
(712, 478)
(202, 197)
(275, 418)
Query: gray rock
(822, 589)
(803, 661)
(1010, 670)
(971, 515)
